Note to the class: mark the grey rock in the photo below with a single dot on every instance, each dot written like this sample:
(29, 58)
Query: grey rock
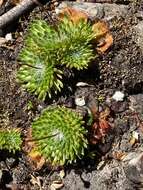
(139, 15)
(90, 8)
(111, 176)
(98, 10)
(136, 103)
(119, 107)
(114, 10)
(134, 167)
(139, 34)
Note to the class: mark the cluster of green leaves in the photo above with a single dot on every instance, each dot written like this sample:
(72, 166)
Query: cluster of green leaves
(59, 135)
(47, 50)
(10, 140)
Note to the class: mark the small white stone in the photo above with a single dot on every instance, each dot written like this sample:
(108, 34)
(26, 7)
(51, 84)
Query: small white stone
(136, 160)
(135, 135)
(82, 84)
(8, 37)
(118, 96)
(39, 107)
(62, 174)
(80, 101)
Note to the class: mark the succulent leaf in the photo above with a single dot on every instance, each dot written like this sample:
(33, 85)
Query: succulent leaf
(59, 135)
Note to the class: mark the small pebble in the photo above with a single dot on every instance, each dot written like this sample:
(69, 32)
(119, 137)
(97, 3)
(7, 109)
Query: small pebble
(133, 168)
(40, 107)
(134, 138)
(119, 106)
(8, 37)
(82, 84)
(62, 174)
(57, 11)
(80, 101)
(135, 135)
(118, 96)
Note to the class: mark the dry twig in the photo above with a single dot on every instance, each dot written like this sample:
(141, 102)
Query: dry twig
(17, 11)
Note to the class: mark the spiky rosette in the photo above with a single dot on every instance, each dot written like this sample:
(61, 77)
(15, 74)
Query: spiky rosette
(59, 135)
(74, 45)
(40, 38)
(40, 78)
(38, 73)
(77, 56)
(81, 32)
(10, 140)
(47, 50)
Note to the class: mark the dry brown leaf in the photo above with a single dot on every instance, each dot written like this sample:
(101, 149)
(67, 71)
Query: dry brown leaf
(73, 14)
(103, 36)
(101, 126)
(119, 155)
(35, 159)
(100, 28)
(108, 41)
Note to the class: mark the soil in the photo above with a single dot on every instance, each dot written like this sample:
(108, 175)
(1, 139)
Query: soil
(119, 69)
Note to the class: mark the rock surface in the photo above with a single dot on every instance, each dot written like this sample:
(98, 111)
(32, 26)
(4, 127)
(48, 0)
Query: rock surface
(139, 34)
(98, 10)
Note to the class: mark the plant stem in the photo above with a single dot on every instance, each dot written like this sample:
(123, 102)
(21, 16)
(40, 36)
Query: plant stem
(30, 66)
(30, 140)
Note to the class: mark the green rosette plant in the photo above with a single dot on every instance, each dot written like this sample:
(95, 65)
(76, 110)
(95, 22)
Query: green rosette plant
(47, 50)
(10, 139)
(59, 135)
(40, 78)
(75, 38)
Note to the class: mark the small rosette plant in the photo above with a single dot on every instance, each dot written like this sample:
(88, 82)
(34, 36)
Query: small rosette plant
(10, 139)
(59, 135)
(40, 78)
(47, 50)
